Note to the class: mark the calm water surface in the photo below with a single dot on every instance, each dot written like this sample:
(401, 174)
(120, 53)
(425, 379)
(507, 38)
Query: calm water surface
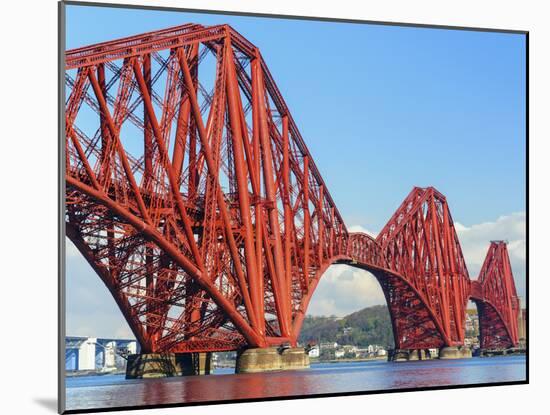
(113, 390)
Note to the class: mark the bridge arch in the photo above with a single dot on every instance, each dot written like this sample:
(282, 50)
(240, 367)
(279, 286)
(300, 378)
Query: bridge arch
(498, 305)
(414, 323)
(493, 332)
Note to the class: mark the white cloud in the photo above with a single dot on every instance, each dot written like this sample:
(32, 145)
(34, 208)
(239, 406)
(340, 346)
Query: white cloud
(344, 289)
(459, 227)
(475, 240)
(91, 309)
(124, 332)
(71, 251)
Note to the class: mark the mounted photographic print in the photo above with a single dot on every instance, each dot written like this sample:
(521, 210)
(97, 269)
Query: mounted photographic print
(271, 207)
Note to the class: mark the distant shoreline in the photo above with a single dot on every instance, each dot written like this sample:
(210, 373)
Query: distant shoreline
(364, 359)
(79, 373)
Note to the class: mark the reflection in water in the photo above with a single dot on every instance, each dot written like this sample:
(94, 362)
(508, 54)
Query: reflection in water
(113, 390)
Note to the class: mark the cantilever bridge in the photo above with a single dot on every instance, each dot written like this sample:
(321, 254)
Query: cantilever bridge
(193, 196)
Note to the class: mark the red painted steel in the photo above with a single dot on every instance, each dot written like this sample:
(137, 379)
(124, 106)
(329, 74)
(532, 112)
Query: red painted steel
(496, 300)
(192, 194)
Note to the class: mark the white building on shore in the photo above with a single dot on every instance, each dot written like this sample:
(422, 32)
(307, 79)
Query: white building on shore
(97, 354)
(314, 352)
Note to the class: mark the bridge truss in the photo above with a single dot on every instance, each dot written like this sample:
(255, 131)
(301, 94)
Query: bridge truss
(192, 194)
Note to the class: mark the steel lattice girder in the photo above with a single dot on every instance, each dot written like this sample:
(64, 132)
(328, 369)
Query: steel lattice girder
(496, 299)
(192, 194)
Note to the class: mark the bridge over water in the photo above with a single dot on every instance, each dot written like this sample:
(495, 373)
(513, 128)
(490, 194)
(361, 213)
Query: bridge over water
(193, 196)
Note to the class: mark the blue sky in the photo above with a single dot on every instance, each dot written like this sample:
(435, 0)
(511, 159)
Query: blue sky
(386, 108)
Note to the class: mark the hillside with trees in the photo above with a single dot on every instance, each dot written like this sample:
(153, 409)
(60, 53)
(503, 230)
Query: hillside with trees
(371, 325)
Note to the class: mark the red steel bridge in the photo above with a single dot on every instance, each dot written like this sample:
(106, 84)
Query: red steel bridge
(193, 196)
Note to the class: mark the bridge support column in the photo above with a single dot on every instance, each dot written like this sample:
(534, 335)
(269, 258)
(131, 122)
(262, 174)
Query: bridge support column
(455, 352)
(406, 355)
(161, 365)
(398, 355)
(270, 359)
(502, 351)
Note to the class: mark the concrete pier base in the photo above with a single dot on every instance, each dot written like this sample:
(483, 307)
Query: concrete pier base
(161, 365)
(398, 356)
(407, 355)
(455, 352)
(270, 359)
(502, 352)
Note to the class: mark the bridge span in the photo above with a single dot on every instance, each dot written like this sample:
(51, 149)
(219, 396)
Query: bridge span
(191, 193)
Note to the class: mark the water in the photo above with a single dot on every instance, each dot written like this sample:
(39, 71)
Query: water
(113, 390)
